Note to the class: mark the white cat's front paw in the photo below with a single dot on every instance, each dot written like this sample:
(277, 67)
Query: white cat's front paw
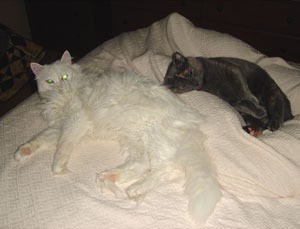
(60, 168)
(23, 152)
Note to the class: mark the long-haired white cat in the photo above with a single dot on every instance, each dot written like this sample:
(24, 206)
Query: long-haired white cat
(159, 132)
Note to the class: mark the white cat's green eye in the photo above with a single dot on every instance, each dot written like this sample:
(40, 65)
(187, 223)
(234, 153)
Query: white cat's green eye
(64, 77)
(49, 81)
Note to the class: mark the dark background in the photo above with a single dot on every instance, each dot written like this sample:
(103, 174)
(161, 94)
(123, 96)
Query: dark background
(273, 27)
(78, 25)
(270, 26)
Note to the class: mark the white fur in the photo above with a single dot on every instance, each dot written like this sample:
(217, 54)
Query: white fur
(159, 132)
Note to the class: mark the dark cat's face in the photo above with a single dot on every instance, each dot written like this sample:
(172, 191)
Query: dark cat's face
(184, 74)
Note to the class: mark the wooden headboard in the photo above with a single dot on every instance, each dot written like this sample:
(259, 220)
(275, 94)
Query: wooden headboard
(271, 26)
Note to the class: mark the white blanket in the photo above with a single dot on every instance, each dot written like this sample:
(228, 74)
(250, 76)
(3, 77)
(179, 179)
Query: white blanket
(260, 177)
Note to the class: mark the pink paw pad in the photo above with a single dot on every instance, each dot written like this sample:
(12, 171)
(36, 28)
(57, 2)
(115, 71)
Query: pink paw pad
(255, 133)
(111, 177)
(26, 150)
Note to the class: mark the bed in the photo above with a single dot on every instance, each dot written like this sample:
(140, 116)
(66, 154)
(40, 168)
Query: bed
(260, 177)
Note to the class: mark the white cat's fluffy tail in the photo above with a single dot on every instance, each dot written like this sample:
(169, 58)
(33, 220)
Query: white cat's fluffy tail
(201, 186)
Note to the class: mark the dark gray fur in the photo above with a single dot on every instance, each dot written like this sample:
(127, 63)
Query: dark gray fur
(244, 85)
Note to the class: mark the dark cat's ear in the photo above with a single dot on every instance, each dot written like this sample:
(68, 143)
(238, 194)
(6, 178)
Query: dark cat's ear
(66, 57)
(36, 69)
(178, 59)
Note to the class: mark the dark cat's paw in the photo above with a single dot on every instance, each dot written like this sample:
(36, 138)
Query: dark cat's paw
(273, 125)
(253, 131)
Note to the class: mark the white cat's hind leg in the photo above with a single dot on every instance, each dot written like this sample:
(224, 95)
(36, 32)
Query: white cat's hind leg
(137, 190)
(127, 172)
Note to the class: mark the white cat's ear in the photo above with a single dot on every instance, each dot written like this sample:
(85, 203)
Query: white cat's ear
(36, 69)
(66, 57)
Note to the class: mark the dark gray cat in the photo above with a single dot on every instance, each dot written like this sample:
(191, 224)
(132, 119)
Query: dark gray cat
(244, 85)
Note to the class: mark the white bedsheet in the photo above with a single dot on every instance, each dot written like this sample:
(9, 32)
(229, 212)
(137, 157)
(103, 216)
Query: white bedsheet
(260, 177)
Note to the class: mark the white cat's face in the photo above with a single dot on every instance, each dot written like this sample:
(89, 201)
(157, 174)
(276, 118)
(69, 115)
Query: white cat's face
(54, 75)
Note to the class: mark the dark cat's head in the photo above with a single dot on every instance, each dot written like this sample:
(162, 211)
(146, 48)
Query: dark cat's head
(184, 74)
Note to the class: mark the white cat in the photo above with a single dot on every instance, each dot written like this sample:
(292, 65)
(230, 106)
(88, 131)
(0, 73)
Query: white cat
(159, 132)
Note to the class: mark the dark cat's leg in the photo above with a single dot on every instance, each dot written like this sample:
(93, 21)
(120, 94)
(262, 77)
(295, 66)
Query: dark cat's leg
(287, 109)
(251, 108)
(241, 97)
(275, 107)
